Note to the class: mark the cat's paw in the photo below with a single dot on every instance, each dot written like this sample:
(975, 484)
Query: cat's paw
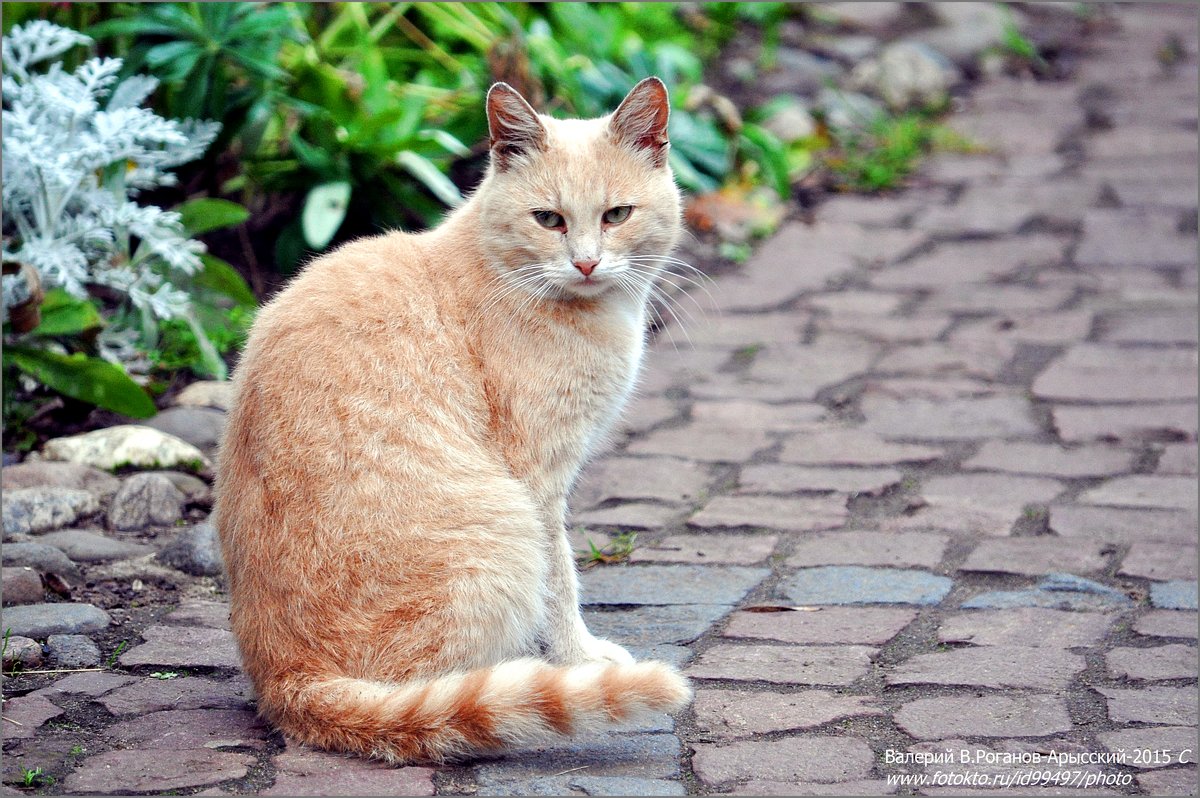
(606, 651)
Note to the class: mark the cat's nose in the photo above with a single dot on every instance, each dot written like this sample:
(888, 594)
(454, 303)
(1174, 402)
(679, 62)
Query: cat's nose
(586, 266)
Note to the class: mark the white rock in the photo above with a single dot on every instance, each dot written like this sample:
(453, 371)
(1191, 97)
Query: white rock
(126, 445)
(791, 122)
(907, 75)
(207, 393)
(967, 29)
(29, 510)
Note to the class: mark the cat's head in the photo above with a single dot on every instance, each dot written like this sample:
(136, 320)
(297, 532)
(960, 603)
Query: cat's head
(580, 207)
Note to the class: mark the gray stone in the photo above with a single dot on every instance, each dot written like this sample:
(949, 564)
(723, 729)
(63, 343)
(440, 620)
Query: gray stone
(1174, 661)
(83, 545)
(648, 756)
(706, 444)
(1001, 492)
(984, 716)
(39, 621)
(1124, 422)
(786, 514)
(146, 499)
(851, 447)
(28, 510)
(798, 72)
(1169, 706)
(647, 626)
(669, 584)
(967, 30)
(897, 549)
(183, 729)
(126, 445)
(706, 549)
(198, 612)
(811, 759)
(49, 474)
(22, 651)
(1134, 237)
(185, 692)
(1171, 741)
(1167, 623)
(184, 646)
(22, 585)
(824, 625)
(821, 665)
(1120, 525)
(196, 551)
(73, 651)
(1153, 327)
(849, 110)
(665, 479)
(629, 515)
(40, 557)
(142, 770)
(1160, 561)
(625, 785)
(202, 427)
(745, 413)
(207, 393)
(193, 488)
(1101, 373)
(907, 74)
(855, 585)
(730, 714)
(1026, 626)
(302, 771)
(25, 714)
(1036, 556)
(1177, 781)
(790, 120)
(1175, 595)
(1178, 458)
(1052, 461)
(858, 787)
(955, 419)
(1056, 591)
(1141, 490)
(991, 666)
(92, 684)
(777, 478)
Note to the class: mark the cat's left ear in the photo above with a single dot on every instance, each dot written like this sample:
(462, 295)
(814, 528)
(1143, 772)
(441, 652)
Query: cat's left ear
(513, 125)
(640, 121)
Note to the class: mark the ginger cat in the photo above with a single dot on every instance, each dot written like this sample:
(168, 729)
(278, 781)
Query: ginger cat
(412, 412)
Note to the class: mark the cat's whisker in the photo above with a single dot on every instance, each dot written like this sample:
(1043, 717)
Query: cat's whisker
(701, 280)
(681, 289)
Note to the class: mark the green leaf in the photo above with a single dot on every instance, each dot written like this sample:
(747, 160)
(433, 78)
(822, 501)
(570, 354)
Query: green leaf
(63, 314)
(205, 214)
(324, 211)
(210, 360)
(772, 157)
(89, 379)
(430, 176)
(221, 277)
(448, 141)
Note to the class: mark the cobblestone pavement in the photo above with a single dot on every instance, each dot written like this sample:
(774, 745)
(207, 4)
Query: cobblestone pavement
(923, 481)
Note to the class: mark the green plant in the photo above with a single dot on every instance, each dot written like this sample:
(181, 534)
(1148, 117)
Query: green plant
(880, 156)
(617, 549)
(111, 662)
(34, 777)
(77, 750)
(164, 675)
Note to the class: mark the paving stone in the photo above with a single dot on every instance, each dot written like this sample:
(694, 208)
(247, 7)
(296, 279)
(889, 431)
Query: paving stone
(1142, 490)
(806, 759)
(39, 621)
(1173, 661)
(1124, 422)
(21, 651)
(200, 426)
(111, 448)
(1037, 556)
(997, 491)
(184, 692)
(50, 474)
(198, 612)
(41, 557)
(729, 714)
(1055, 327)
(953, 419)
(31, 510)
(984, 716)
(630, 515)
(195, 550)
(982, 358)
(821, 665)
(742, 330)
(1160, 561)
(146, 499)
(854, 447)
(710, 548)
(1152, 327)
(646, 412)
(87, 545)
(917, 329)
(991, 666)
(1118, 525)
(184, 646)
(141, 770)
(758, 415)
(647, 756)
(647, 626)
(972, 261)
(866, 625)
(1167, 623)
(1171, 706)
(303, 771)
(1174, 740)
(857, 787)
(1026, 626)
(898, 549)
(22, 585)
(24, 714)
(665, 479)
(786, 514)
(1174, 595)
(847, 584)
(994, 299)
(1133, 238)
(782, 478)
(92, 684)
(625, 785)
(1178, 458)
(707, 444)
(1100, 373)
(802, 372)
(1052, 461)
(1176, 781)
(961, 520)
(1055, 591)
(851, 302)
(669, 584)
(182, 729)
(73, 651)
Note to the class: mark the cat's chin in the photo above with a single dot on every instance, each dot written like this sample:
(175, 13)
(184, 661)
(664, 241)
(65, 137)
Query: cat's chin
(586, 289)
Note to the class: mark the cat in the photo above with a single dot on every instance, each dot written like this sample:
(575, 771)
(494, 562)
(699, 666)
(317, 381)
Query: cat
(411, 413)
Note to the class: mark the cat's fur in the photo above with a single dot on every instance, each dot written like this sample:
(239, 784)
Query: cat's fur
(411, 413)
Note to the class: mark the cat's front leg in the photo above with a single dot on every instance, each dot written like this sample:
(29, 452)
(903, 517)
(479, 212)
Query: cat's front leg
(567, 638)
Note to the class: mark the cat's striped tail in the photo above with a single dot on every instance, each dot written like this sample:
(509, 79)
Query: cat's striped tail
(514, 704)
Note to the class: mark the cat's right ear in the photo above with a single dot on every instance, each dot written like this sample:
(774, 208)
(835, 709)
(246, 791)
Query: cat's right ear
(513, 125)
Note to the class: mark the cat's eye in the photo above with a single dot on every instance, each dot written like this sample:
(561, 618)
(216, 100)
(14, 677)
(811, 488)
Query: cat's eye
(617, 215)
(550, 219)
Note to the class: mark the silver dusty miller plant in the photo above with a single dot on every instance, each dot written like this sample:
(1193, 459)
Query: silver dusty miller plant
(77, 148)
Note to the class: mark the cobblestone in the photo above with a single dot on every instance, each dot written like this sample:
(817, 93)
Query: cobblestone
(819, 665)
(992, 666)
(984, 716)
(854, 585)
(767, 512)
(1174, 595)
(669, 584)
(812, 759)
(1037, 556)
(901, 549)
(840, 625)
(1167, 623)
(1174, 661)
(1171, 706)
(728, 714)
(1026, 626)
